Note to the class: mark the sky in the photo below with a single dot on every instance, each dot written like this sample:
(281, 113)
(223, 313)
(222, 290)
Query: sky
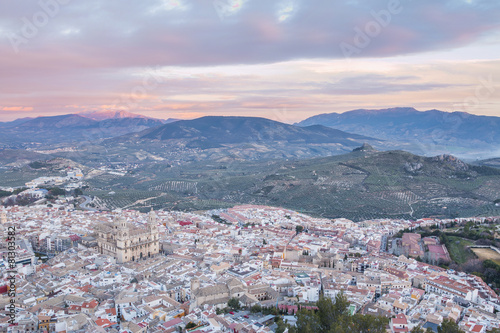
(281, 59)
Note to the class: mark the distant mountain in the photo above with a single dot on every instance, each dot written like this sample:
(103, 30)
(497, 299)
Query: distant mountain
(231, 139)
(170, 120)
(110, 114)
(71, 128)
(429, 132)
(491, 162)
(14, 122)
(234, 130)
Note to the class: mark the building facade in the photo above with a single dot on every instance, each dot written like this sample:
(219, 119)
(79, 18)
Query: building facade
(126, 242)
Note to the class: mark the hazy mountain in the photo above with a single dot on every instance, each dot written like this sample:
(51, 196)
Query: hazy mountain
(427, 132)
(491, 162)
(71, 128)
(228, 139)
(111, 114)
(232, 130)
(170, 120)
(14, 122)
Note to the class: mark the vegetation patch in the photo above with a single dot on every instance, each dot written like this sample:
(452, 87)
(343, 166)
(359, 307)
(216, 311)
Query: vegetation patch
(458, 249)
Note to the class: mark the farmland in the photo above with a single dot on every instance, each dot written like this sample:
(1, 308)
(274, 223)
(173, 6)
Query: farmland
(359, 185)
(487, 254)
(363, 184)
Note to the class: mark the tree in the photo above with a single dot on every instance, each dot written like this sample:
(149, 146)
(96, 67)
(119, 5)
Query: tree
(264, 242)
(330, 312)
(369, 323)
(299, 229)
(5, 193)
(468, 225)
(449, 326)
(19, 190)
(190, 325)
(333, 316)
(55, 191)
(281, 325)
(256, 308)
(419, 329)
(233, 303)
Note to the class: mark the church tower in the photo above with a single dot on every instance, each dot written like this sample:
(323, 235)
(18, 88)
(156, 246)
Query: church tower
(122, 239)
(195, 285)
(152, 223)
(121, 227)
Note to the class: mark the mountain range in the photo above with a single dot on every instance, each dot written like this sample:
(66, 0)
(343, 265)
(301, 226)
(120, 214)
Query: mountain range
(68, 129)
(428, 133)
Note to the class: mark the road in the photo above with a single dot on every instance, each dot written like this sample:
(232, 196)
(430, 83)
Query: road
(84, 204)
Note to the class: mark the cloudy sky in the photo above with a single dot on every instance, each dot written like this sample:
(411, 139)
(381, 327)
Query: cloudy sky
(284, 59)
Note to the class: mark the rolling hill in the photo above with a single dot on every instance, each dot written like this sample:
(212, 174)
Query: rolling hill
(363, 184)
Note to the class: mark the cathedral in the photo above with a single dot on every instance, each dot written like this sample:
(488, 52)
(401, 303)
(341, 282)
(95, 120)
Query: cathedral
(126, 242)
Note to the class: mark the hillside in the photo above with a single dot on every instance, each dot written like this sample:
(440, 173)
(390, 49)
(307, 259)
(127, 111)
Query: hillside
(359, 185)
(491, 162)
(19, 157)
(427, 133)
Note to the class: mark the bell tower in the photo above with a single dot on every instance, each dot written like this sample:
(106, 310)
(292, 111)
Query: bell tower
(122, 239)
(121, 227)
(152, 223)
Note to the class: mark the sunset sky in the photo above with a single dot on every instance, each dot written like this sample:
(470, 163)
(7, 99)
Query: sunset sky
(285, 60)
